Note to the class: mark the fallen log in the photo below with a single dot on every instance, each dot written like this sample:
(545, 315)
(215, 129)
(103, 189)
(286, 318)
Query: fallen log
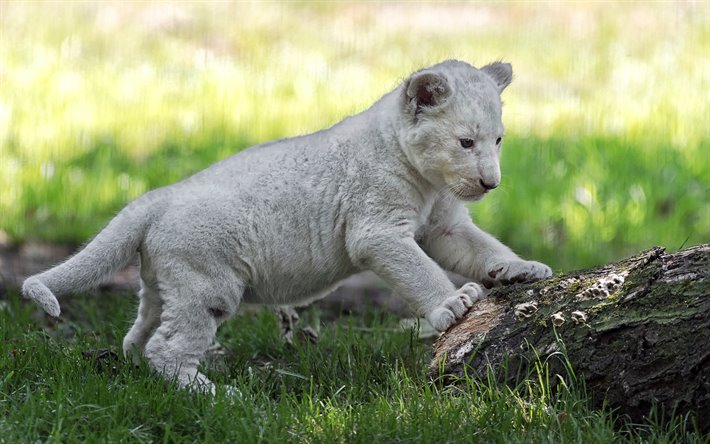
(636, 332)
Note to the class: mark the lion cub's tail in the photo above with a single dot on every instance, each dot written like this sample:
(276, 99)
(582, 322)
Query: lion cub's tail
(108, 252)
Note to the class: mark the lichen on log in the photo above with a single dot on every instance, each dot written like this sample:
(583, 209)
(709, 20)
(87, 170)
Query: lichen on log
(636, 332)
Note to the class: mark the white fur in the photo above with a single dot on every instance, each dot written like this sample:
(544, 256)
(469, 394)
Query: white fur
(281, 222)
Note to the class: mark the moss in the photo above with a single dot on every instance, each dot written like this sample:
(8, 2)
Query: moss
(631, 351)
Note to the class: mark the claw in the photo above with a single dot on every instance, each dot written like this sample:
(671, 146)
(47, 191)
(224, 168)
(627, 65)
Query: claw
(494, 273)
(522, 277)
(488, 284)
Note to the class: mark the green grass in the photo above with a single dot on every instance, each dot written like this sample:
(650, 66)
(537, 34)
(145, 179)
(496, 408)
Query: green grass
(608, 152)
(608, 149)
(365, 381)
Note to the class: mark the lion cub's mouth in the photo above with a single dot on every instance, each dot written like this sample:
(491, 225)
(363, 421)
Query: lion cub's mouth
(469, 194)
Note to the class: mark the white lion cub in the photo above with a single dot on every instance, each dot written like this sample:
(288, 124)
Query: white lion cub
(284, 222)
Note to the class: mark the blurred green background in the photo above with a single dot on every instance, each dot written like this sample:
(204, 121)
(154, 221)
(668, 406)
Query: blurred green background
(608, 146)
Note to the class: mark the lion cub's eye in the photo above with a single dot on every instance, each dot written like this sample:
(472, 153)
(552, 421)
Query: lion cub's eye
(466, 143)
(498, 141)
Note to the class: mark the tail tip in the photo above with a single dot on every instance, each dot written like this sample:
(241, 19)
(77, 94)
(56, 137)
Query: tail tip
(34, 289)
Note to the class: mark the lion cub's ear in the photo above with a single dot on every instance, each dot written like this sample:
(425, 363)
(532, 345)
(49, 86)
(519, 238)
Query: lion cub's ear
(426, 90)
(501, 73)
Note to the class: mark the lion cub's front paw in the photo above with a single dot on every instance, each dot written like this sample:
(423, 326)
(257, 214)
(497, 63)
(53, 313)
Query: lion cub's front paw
(454, 307)
(515, 271)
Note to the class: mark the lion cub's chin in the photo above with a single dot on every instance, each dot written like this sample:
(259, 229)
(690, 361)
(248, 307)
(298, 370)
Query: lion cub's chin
(470, 195)
(474, 198)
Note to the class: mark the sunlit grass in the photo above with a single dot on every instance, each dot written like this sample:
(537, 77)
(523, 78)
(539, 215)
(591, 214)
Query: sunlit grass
(366, 381)
(607, 152)
(607, 117)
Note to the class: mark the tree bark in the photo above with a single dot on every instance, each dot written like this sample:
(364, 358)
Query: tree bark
(636, 332)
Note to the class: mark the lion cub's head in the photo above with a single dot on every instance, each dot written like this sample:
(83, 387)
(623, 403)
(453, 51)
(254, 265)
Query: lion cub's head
(452, 128)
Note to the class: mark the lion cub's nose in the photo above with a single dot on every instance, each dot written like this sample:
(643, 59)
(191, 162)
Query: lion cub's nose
(487, 186)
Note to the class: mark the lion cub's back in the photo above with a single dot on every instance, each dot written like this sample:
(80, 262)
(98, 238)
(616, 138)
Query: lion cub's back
(275, 212)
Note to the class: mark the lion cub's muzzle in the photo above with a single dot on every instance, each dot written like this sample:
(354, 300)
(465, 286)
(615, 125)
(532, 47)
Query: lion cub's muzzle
(488, 186)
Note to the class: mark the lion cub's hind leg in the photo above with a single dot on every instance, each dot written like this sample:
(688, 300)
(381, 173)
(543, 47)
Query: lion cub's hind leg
(149, 310)
(192, 309)
(288, 320)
